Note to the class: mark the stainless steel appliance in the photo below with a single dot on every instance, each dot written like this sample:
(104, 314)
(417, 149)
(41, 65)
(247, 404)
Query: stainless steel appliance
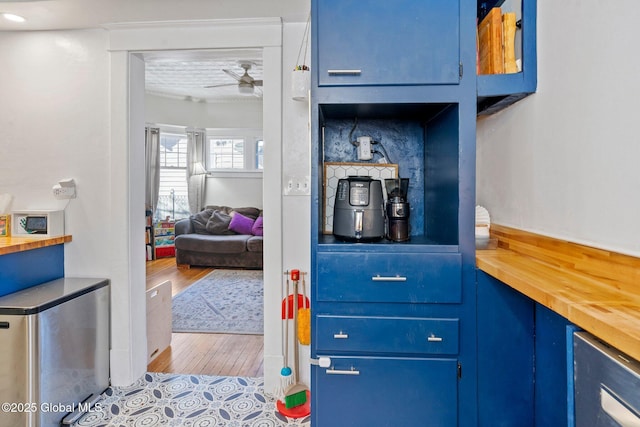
(398, 209)
(358, 213)
(55, 350)
(607, 385)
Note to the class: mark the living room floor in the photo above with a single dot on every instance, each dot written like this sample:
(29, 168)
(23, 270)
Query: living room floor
(202, 354)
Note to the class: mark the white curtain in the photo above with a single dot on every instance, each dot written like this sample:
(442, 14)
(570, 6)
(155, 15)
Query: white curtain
(196, 172)
(152, 168)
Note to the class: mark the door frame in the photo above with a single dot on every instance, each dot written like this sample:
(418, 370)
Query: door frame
(127, 261)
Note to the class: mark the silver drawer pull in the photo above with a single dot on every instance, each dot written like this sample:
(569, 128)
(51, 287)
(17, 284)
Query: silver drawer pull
(344, 72)
(341, 335)
(379, 278)
(433, 338)
(352, 371)
(617, 410)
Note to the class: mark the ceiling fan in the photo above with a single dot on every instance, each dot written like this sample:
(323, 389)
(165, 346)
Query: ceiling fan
(246, 84)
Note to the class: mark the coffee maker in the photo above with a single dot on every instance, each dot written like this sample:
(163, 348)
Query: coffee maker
(397, 209)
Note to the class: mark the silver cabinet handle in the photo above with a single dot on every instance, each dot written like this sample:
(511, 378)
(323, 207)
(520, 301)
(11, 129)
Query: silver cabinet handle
(341, 335)
(344, 72)
(433, 338)
(616, 409)
(379, 278)
(352, 371)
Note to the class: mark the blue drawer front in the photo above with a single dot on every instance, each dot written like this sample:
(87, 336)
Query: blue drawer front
(386, 335)
(385, 392)
(398, 277)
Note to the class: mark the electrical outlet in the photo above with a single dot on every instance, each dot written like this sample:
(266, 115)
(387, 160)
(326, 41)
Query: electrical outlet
(297, 186)
(60, 192)
(364, 148)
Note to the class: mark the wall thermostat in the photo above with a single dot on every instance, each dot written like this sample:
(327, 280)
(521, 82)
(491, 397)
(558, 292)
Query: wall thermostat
(42, 223)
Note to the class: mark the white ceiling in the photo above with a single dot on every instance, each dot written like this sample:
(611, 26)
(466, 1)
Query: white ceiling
(184, 74)
(174, 74)
(68, 14)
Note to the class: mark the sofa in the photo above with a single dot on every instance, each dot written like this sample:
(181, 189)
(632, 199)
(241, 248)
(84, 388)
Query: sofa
(221, 237)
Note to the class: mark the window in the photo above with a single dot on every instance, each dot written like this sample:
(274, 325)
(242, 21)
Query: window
(234, 151)
(173, 200)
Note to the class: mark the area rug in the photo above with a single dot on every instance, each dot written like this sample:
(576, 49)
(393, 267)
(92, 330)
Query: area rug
(224, 301)
(188, 400)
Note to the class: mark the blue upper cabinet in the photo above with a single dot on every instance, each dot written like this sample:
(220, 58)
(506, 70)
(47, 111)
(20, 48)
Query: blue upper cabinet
(498, 91)
(401, 42)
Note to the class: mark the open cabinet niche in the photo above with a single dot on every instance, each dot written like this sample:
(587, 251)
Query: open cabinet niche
(422, 139)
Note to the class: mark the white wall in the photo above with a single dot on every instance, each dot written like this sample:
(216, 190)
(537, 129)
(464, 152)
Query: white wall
(296, 162)
(239, 114)
(564, 161)
(54, 123)
(234, 192)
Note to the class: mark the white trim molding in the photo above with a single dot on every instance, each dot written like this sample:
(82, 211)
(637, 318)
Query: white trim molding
(128, 361)
(202, 34)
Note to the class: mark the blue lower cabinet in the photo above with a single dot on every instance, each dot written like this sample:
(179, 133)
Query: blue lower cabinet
(376, 392)
(506, 331)
(524, 360)
(21, 270)
(554, 396)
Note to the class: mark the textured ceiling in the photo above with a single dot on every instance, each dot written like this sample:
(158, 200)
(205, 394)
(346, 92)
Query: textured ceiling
(184, 74)
(66, 14)
(174, 74)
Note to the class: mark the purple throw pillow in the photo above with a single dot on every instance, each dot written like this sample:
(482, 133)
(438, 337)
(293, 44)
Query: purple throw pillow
(256, 230)
(241, 224)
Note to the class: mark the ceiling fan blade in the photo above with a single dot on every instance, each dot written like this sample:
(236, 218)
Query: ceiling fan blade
(221, 85)
(257, 82)
(232, 74)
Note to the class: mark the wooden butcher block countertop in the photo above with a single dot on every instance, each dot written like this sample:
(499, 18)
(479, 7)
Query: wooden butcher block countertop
(9, 245)
(597, 290)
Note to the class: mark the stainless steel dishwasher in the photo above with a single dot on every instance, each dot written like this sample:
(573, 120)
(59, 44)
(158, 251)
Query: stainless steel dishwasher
(607, 385)
(54, 350)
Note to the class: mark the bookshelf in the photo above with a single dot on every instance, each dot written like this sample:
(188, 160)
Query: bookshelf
(149, 236)
(164, 235)
(498, 91)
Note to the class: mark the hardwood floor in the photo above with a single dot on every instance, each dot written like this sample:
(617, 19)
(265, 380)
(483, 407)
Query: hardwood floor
(205, 354)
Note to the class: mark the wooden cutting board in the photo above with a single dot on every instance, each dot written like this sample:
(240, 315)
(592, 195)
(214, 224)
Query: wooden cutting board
(491, 56)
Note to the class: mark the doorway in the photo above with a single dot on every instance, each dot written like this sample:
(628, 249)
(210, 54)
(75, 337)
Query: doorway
(127, 93)
(201, 89)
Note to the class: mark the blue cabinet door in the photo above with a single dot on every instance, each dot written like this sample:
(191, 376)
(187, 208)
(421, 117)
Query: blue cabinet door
(506, 330)
(376, 392)
(553, 340)
(400, 42)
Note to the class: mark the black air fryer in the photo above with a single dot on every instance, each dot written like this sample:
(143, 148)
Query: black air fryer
(358, 213)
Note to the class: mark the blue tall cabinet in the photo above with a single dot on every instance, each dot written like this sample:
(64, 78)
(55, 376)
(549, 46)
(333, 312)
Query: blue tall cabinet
(395, 322)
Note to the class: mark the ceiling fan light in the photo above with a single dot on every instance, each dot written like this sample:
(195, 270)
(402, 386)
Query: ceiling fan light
(245, 89)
